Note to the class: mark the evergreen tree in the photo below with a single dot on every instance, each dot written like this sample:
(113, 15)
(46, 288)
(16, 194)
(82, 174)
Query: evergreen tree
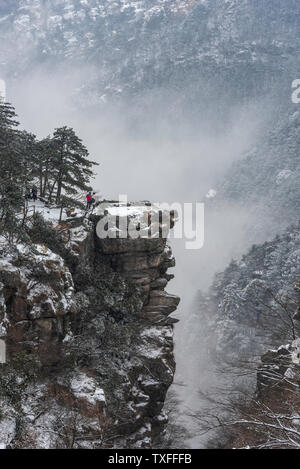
(59, 165)
(11, 170)
(71, 167)
(29, 159)
(45, 164)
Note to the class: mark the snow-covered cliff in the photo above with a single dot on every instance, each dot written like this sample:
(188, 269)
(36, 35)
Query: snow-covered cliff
(89, 339)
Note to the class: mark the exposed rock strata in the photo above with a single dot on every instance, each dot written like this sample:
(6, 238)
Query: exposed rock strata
(89, 341)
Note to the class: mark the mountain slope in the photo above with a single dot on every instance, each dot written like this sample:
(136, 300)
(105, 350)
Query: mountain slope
(267, 178)
(136, 46)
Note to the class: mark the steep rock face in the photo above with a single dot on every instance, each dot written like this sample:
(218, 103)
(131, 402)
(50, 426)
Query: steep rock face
(36, 293)
(145, 263)
(89, 341)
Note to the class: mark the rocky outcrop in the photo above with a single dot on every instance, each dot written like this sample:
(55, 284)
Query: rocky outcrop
(89, 338)
(36, 294)
(277, 368)
(145, 264)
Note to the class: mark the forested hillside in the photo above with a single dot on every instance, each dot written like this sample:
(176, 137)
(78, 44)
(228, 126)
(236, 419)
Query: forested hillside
(230, 51)
(267, 179)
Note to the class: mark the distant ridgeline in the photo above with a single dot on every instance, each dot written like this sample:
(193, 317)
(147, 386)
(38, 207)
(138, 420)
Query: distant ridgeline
(217, 52)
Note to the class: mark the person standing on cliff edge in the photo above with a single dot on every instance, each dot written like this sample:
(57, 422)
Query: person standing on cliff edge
(88, 200)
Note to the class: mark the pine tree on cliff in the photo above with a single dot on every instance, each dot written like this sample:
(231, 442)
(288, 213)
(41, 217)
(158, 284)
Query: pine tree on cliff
(72, 168)
(11, 167)
(17, 171)
(29, 159)
(17, 150)
(45, 164)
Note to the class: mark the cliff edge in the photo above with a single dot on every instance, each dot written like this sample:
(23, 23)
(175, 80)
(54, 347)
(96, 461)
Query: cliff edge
(88, 336)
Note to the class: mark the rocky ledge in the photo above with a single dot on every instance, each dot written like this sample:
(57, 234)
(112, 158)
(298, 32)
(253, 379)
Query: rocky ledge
(89, 338)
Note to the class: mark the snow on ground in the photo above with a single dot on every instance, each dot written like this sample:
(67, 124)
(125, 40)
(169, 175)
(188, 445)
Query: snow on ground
(135, 219)
(157, 332)
(154, 353)
(211, 194)
(51, 214)
(125, 211)
(296, 352)
(41, 252)
(79, 233)
(7, 428)
(283, 176)
(85, 387)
